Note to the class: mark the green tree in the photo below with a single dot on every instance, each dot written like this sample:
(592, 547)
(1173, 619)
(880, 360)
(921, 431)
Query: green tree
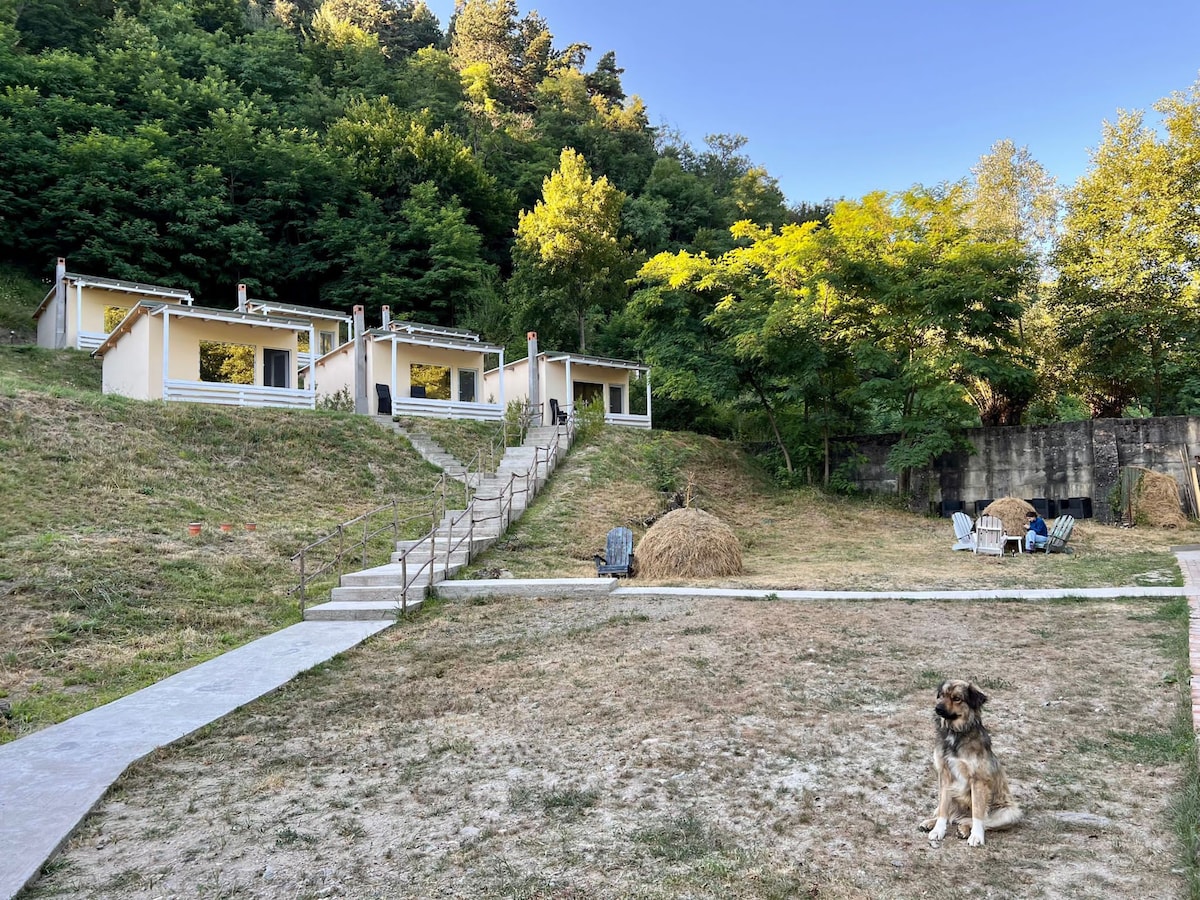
(1126, 298)
(569, 256)
(933, 310)
(1014, 198)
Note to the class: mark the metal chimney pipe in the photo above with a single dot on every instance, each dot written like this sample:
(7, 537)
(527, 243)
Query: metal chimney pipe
(386, 312)
(242, 298)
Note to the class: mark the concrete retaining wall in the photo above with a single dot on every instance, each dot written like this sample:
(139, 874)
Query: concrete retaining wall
(1066, 459)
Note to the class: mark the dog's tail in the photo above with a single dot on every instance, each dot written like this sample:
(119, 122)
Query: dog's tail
(1003, 817)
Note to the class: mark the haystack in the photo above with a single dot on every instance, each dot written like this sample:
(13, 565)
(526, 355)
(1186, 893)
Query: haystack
(1011, 511)
(688, 543)
(1156, 501)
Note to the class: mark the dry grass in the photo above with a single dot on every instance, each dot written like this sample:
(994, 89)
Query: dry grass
(684, 748)
(801, 539)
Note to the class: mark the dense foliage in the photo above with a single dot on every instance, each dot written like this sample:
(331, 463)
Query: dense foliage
(355, 151)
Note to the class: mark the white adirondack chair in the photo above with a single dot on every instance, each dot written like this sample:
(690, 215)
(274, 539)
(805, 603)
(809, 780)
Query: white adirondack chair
(963, 534)
(989, 536)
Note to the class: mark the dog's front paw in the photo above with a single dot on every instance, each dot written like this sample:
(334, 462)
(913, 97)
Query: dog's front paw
(927, 825)
(976, 838)
(938, 831)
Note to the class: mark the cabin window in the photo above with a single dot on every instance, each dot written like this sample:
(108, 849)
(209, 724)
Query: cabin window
(226, 363)
(276, 366)
(113, 316)
(432, 382)
(466, 385)
(326, 340)
(587, 392)
(616, 398)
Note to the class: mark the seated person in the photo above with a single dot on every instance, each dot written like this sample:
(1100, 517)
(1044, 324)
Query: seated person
(1036, 534)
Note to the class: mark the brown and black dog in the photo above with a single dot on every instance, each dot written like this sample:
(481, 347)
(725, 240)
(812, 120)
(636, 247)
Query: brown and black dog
(973, 793)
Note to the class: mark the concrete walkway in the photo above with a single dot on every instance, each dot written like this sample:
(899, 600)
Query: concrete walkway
(50, 780)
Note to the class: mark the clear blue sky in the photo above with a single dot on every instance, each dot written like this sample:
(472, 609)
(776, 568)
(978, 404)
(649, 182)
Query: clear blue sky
(842, 97)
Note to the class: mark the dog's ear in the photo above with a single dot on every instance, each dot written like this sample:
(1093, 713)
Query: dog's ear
(975, 697)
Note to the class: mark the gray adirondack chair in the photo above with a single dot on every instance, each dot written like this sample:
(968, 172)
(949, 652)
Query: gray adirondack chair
(963, 535)
(618, 554)
(1060, 533)
(989, 536)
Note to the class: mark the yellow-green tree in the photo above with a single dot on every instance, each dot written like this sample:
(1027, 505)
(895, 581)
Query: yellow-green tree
(570, 262)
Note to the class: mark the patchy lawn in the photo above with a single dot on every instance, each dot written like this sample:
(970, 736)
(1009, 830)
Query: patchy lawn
(657, 749)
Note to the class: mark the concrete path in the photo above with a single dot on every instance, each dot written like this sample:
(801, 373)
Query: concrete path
(1189, 564)
(50, 780)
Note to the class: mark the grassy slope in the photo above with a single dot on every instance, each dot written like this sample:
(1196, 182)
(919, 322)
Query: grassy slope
(104, 591)
(19, 297)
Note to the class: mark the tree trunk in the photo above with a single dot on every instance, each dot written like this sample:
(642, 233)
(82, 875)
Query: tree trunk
(762, 398)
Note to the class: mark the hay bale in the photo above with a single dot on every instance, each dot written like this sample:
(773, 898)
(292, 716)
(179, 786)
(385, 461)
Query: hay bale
(1011, 511)
(688, 543)
(1156, 501)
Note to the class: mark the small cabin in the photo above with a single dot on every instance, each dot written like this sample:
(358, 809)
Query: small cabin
(412, 369)
(80, 311)
(161, 351)
(569, 379)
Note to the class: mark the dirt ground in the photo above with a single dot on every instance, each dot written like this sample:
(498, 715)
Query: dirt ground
(662, 749)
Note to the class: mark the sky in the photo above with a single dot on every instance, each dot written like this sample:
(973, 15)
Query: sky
(842, 97)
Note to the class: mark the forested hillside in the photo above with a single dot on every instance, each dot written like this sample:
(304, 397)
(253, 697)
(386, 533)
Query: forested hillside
(334, 153)
(478, 173)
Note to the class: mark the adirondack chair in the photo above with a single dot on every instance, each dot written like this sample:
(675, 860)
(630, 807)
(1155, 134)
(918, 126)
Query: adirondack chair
(1056, 540)
(384, 393)
(964, 536)
(558, 415)
(618, 554)
(989, 536)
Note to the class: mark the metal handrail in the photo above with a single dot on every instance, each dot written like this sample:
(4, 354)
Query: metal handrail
(361, 543)
(437, 512)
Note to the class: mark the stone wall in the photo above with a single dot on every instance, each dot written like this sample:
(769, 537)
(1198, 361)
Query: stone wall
(1066, 459)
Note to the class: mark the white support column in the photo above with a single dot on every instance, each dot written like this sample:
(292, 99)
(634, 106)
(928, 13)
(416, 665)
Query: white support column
(500, 378)
(569, 400)
(79, 316)
(648, 398)
(312, 361)
(166, 347)
(395, 375)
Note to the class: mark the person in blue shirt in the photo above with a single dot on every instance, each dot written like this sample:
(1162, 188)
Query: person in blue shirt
(1035, 532)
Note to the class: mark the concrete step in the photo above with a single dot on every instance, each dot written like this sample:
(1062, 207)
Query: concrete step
(392, 574)
(339, 611)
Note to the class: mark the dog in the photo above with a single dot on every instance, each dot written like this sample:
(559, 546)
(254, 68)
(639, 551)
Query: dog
(973, 794)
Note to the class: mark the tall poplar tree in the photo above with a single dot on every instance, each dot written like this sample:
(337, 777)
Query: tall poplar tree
(1126, 299)
(570, 261)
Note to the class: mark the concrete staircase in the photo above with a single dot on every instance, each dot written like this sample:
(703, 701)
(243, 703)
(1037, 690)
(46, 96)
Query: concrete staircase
(499, 499)
(428, 448)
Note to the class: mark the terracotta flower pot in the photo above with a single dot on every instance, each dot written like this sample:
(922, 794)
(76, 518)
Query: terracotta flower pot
(251, 526)
(194, 527)
(227, 527)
